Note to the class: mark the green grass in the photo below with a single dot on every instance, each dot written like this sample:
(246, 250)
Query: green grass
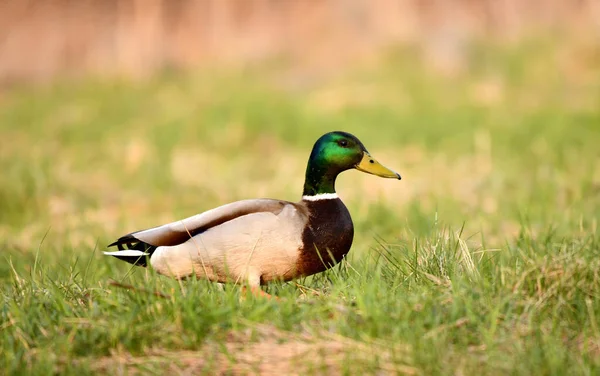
(484, 259)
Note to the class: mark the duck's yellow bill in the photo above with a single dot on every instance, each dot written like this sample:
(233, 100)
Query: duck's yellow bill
(369, 165)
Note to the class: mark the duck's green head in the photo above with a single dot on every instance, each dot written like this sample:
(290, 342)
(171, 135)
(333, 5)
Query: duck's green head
(334, 153)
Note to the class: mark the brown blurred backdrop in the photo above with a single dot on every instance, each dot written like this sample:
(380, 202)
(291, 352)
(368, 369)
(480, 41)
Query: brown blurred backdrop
(41, 39)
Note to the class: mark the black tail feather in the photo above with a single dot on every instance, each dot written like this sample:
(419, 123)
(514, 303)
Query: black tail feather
(128, 242)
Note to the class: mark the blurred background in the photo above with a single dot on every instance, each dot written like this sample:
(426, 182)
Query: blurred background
(43, 40)
(120, 115)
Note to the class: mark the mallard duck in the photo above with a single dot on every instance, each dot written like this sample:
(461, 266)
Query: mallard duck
(262, 240)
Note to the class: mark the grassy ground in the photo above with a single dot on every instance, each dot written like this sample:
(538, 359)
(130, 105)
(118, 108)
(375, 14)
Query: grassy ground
(484, 259)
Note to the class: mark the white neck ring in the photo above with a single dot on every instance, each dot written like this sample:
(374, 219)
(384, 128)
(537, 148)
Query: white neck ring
(321, 196)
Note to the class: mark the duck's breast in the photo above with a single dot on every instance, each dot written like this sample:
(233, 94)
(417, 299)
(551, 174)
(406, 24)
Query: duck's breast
(327, 237)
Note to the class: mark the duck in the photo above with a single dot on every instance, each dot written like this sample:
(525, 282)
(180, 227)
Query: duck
(256, 241)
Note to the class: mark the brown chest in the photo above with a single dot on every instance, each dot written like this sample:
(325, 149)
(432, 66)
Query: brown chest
(327, 237)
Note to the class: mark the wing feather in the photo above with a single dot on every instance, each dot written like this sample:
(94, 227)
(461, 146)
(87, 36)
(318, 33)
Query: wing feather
(178, 232)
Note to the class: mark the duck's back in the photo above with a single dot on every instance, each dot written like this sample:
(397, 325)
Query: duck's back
(262, 245)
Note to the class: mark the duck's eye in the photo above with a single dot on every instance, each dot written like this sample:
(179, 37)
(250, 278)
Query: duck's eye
(343, 143)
